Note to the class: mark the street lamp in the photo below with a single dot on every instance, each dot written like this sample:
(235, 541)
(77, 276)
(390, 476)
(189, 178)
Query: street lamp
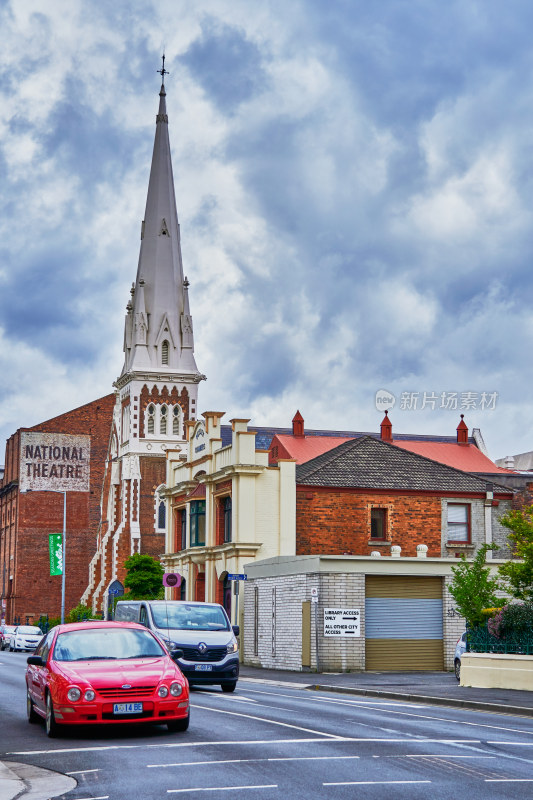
(63, 544)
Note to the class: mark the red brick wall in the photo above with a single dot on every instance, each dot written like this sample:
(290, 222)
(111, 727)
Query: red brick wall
(40, 513)
(153, 471)
(338, 521)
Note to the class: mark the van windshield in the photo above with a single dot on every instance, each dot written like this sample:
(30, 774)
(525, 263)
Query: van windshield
(190, 617)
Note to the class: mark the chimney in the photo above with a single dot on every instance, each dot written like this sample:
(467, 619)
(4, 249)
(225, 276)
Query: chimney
(298, 425)
(462, 432)
(386, 428)
(509, 462)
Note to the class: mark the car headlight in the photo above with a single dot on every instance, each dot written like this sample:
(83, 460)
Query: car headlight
(176, 689)
(74, 694)
(233, 646)
(162, 691)
(89, 695)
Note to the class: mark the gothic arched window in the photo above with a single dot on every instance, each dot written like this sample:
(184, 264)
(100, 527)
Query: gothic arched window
(150, 423)
(161, 515)
(163, 420)
(176, 421)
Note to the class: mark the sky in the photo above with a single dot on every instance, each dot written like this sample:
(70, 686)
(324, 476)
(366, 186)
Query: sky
(354, 184)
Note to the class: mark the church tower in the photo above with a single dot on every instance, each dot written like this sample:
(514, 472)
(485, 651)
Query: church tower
(156, 392)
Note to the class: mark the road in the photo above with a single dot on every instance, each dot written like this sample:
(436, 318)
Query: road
(270, 741)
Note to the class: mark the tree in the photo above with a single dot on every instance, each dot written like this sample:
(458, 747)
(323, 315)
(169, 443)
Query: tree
(518, 575)
(145, 578)
(472, 587)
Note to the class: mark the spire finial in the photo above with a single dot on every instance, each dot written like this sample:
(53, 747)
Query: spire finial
(163, 71)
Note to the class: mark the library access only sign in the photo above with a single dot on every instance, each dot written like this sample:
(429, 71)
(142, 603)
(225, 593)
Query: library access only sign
(57, 462)
(55, 543)
(342, 622)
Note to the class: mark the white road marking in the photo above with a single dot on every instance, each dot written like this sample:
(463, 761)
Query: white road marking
(369, 783)
(222, 788)
(102, 797)
(254, 760)
(245, 742)
(508, 780)
(81, 771)
(427, 755)
(270, 721)
(515, 744)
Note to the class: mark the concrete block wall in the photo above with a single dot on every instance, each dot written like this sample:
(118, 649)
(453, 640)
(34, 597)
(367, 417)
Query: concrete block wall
(279, 633)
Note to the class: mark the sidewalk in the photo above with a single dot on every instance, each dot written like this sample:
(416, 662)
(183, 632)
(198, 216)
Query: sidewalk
(433, 688)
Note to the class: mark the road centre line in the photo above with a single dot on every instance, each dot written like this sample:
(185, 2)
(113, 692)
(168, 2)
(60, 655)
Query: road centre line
(508, 780)
(222, 788)
(102, 797)
(255, 760)
(269, 721)
(407, 714)
(245, 742)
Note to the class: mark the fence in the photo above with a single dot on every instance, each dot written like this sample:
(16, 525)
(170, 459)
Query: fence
(480, 640)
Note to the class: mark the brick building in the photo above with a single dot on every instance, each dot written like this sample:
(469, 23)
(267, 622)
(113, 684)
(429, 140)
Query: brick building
(156, 392)
(367, 495)
(26, 519)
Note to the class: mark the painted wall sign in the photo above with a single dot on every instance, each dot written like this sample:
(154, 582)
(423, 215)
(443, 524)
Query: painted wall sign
(342, 622)
(54, 461)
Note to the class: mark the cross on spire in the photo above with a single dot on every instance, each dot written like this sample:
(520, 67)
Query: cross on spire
(163, 71)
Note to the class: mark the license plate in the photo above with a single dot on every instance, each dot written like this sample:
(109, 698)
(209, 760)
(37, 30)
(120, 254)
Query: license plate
(127, 708)
(203, 667)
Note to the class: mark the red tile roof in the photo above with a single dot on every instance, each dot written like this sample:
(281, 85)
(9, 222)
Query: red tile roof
(466, 457)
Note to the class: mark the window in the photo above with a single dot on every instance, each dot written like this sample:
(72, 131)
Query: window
(458, 523)
(378, 523)
(163, 420)
(164, 352)
(150, 425)
(176, 421)
(161, 515)
(197, 515)
(183, 529)
(226, 510)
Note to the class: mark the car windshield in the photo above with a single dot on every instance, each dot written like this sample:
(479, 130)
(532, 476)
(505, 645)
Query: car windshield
(98, 644)
(29, 629)
(190, 617)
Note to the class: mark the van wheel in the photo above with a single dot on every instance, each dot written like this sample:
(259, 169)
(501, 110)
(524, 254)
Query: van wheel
(457, 669)
(229, 687)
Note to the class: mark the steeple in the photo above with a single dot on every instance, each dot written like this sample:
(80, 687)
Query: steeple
(158, 335)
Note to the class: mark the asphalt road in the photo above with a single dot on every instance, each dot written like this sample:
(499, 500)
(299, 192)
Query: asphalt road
(268, 741)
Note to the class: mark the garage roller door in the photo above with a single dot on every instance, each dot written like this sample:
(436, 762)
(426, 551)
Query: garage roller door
(403, 623)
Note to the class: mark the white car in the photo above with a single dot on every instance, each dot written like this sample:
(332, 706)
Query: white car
(26, 637)
(5, 635)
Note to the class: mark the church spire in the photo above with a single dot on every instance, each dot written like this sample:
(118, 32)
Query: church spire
(158, 331)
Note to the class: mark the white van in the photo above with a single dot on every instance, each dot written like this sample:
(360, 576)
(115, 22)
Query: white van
(201, 631)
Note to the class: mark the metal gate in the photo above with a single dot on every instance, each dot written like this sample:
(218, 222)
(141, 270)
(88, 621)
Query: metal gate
(403, 623)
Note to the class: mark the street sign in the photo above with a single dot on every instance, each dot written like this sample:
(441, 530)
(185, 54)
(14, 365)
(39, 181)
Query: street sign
(171, 579)
(342, 622)
(314, 591)
(55, 544)
(314, 598)
(240, 577)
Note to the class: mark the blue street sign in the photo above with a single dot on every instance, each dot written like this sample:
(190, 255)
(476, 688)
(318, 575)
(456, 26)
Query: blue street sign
(240, 577)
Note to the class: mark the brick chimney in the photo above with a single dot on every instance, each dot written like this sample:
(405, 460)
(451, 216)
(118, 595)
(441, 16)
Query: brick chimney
(386, 428)
(298, 425)
(462, 432)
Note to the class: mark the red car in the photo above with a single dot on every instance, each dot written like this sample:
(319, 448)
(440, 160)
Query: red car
(105, 672)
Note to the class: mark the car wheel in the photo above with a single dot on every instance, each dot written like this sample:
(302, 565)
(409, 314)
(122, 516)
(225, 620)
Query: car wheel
(457, 668)
(10, 649)
(30, 710)
(229, 687)
(177, 725)
(51, 724)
